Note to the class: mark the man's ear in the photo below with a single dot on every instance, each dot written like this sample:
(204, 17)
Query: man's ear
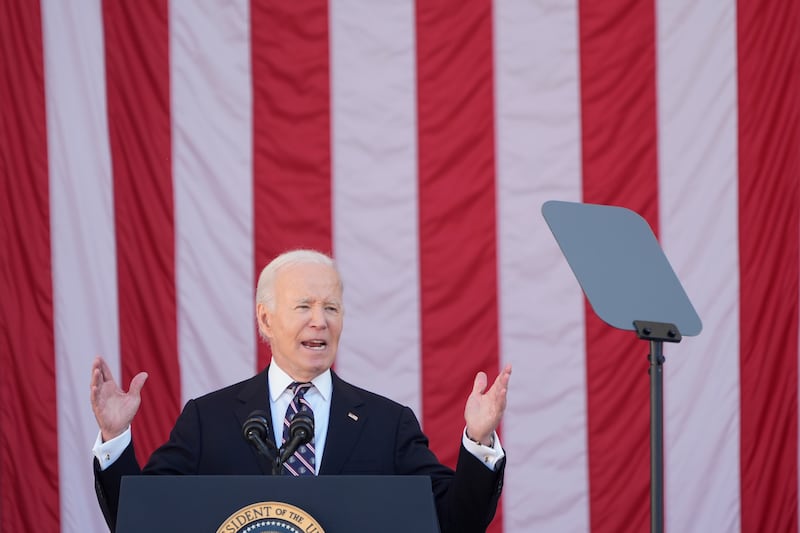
(263, 317)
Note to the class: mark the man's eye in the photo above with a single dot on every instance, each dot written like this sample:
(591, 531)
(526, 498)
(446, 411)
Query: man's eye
(302, 306)
(332, 308)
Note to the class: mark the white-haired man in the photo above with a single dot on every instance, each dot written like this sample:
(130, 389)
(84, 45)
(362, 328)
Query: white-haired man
(300, 311)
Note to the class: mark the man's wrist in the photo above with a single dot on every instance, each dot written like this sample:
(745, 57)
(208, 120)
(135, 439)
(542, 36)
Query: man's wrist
(109, 451)
(491, 440)
(489, 455)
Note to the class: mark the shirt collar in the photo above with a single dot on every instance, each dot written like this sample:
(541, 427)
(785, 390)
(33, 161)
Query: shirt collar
(279, 380)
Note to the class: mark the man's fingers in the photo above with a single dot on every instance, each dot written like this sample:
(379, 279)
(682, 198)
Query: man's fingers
(103, 368)
(503, 377)
(97, 373)
(480, 383)
(96, 384)
(500, 383)
(137, 383)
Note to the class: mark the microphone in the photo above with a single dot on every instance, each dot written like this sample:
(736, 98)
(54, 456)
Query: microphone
(255, 431)
(301, 431)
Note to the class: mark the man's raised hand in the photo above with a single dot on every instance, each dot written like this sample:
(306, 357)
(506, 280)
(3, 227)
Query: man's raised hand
(113, 408)
(485, 409)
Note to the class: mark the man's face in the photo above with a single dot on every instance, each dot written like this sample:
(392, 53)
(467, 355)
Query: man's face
(305, 326)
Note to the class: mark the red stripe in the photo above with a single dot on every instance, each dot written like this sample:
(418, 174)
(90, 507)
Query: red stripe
(291, 131)
(137, 77)
(618, 99)
(28, 448)
(458, 258)
(769, 171)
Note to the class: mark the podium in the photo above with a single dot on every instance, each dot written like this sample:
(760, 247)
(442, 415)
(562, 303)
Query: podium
(313, 504)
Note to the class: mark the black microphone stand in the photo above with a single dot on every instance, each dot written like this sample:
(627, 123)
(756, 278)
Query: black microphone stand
(256, 441)
(301, 431)
(277, 465)
(256, 431)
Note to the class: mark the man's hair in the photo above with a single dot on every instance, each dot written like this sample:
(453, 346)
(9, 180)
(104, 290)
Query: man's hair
(265, 289)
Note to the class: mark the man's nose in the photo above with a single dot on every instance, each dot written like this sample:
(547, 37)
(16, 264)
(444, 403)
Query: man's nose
(318, 317)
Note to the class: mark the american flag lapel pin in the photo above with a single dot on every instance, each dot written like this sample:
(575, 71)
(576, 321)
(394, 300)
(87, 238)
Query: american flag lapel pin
(353, 416)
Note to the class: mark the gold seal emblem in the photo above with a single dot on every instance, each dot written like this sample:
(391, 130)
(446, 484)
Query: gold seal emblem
(270, 517)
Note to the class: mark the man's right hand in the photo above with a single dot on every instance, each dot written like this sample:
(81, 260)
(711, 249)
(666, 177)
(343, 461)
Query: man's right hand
(113, 408)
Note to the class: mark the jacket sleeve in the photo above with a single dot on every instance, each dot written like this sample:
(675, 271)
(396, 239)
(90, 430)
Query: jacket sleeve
(466, 499)
(470, 502)
(107, 483)
(176, 456)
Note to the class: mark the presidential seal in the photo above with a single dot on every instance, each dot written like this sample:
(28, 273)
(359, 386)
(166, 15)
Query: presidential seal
(270, 517)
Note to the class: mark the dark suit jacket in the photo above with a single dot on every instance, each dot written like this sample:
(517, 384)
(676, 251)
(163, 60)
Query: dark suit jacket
(386, 439)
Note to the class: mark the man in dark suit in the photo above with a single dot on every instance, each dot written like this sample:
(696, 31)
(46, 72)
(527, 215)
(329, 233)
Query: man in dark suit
(299, 311)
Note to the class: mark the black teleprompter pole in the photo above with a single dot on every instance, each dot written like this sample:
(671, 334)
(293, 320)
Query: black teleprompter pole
(656, 333)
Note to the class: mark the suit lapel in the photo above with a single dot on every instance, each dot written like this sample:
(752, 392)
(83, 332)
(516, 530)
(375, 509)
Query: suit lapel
(347, 418)
(254, 396)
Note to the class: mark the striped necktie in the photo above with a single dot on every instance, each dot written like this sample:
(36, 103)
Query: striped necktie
(302, 462)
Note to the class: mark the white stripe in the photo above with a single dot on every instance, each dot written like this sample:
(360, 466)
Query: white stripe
(212, 171)
(375, 194)
(83, 250)
(698, 200)
(541, 304)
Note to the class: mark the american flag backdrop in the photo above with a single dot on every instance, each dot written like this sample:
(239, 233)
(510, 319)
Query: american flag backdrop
(156, 154)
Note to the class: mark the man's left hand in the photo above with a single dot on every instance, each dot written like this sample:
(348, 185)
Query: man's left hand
(485, 409)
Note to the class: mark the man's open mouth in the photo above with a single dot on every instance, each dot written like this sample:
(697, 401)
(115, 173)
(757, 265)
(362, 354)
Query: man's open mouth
(315, 344)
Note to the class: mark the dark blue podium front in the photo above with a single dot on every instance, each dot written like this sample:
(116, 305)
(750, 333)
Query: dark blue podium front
(338, 504)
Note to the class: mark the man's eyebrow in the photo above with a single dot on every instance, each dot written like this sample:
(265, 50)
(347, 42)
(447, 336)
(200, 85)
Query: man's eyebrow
(307, 300)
